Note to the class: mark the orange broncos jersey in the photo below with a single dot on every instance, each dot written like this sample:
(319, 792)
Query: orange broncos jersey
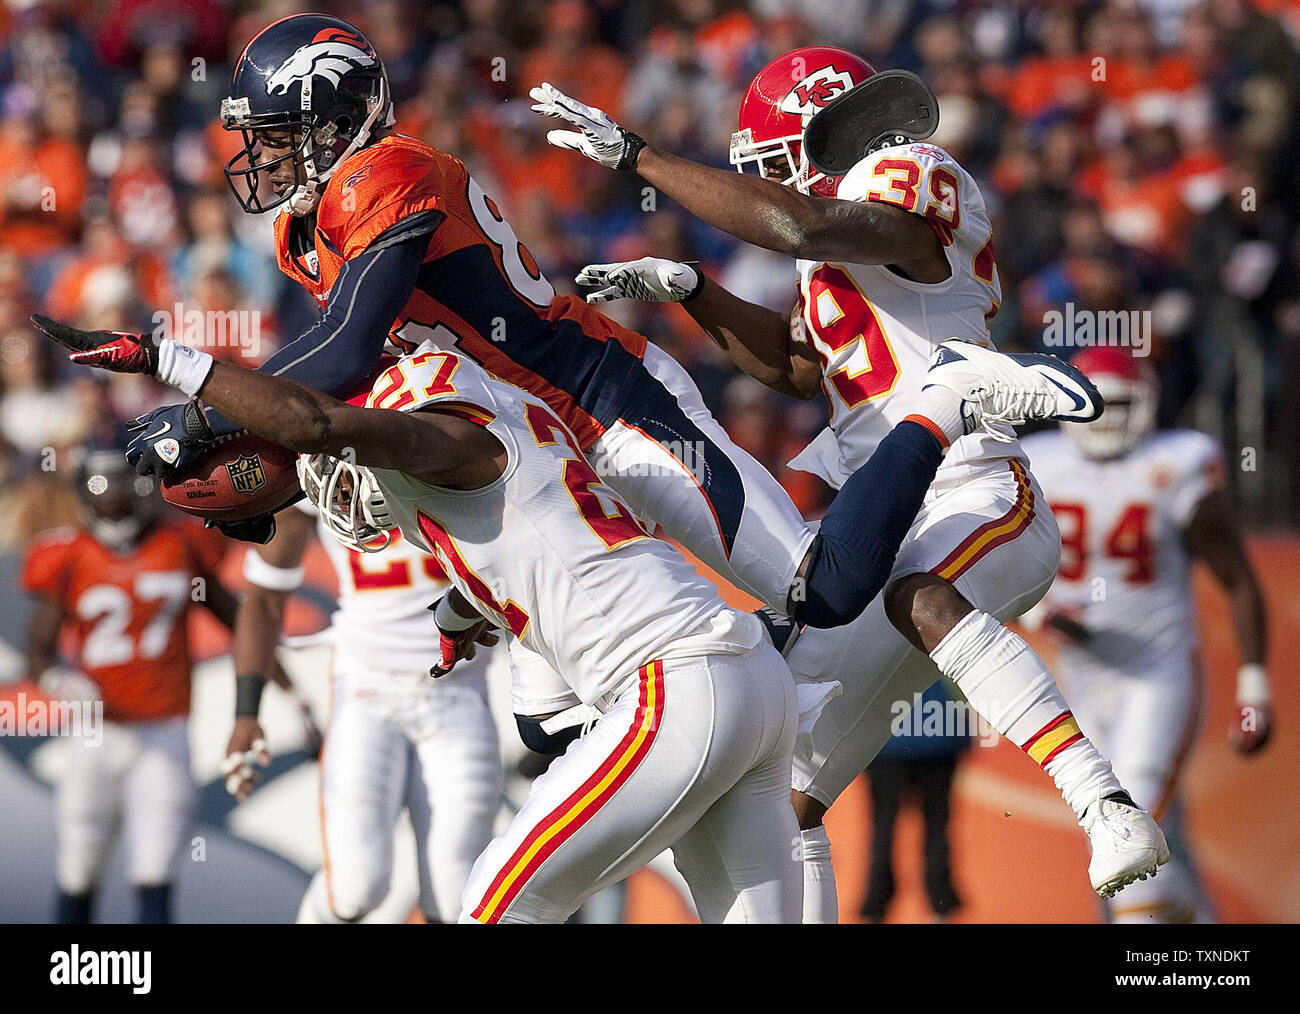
(479, 289)
(127, 614)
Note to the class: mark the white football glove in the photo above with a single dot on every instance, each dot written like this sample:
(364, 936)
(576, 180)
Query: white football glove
(653, 279)
(598, 137)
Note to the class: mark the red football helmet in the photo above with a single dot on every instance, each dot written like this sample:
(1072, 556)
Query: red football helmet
(778, 105)
(1129, 387)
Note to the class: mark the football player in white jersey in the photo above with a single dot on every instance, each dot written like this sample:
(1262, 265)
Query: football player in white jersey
(895, 255)
(396, 738)
(1136, 507)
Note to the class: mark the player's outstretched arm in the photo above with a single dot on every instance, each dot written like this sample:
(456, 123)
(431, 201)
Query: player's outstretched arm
(433, 447)
(758, 340)
(755, 338)
(759, 211)
(1213, 536)
(779, 218)
(440, 449)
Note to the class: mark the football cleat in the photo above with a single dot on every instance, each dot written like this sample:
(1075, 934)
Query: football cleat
(1127, 845)
(1011, 388)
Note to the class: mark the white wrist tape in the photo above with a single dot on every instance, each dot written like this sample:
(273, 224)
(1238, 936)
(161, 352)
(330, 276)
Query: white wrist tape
(282, 579)
(182, 367)
(1252, 685)
(449, 620)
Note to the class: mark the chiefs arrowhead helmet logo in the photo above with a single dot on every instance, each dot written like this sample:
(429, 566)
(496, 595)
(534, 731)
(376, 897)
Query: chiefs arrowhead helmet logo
(816, 91)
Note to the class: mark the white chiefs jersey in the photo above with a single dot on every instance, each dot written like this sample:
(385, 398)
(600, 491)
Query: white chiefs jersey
(1125, 572)
(383, 613)
(875, 331)
(548, 551)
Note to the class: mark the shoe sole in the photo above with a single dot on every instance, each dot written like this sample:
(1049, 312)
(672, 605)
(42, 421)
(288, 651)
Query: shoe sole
(1112, 887)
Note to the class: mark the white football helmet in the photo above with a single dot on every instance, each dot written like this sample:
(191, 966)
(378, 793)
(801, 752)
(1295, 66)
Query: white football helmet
(349, 500)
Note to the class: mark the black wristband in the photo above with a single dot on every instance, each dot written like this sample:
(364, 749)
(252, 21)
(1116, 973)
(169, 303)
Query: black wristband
(248, 694)
(632, 145)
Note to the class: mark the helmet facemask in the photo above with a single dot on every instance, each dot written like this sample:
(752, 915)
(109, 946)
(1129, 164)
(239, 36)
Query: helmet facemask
(1129, 416)
(317, 146)
(787, 151)
(349, 501)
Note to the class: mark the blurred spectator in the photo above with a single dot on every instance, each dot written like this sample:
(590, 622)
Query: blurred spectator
(213, 245)
(42, 184)
(569, 56)
(37, 414)
(130, 27)
(106, 272)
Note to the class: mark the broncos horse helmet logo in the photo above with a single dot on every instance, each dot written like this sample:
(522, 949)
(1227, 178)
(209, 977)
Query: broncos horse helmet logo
(330, 55)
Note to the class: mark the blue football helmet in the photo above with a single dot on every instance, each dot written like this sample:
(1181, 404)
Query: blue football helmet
(319, 81)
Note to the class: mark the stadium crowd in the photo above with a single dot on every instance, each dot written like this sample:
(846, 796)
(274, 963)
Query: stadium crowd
(1134, 155)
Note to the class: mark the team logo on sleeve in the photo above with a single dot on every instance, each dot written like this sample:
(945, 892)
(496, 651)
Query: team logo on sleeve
(246, 474)
(359, 176)
(815, 91)
(330, 55)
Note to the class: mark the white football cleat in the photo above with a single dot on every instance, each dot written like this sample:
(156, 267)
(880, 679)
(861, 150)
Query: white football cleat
(1012, 388)
(1127, 845)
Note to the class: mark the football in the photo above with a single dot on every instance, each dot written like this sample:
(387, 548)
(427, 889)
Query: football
(242, 476)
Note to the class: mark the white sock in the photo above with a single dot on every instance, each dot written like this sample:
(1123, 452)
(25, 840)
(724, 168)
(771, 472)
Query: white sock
(1009, 685)
(820, 905)
(941, 407)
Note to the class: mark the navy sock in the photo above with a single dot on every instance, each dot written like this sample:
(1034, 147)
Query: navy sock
(73, 909)
(155, 904)
(855, 548)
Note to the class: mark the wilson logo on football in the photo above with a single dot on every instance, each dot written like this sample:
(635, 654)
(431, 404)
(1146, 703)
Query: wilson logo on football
(246, 474)
(330, 59)
(818, 89)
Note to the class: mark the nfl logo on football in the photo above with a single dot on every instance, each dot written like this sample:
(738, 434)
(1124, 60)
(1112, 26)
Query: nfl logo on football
(246, 474)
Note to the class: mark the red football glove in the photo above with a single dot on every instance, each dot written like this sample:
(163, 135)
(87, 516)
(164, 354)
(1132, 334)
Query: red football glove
(1252, 728)
(118, 351)
(460, 646)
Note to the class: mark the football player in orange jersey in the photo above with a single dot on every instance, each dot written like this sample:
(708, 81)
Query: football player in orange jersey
(399, 245)
(122, 587)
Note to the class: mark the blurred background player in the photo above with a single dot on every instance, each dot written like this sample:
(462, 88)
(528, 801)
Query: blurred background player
(122, 587)
(397, 737)
(1136, 507)
(917, 763)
